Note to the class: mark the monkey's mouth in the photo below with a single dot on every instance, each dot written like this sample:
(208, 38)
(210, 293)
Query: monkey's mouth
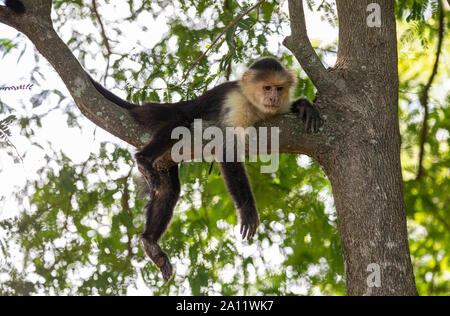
(271, 107)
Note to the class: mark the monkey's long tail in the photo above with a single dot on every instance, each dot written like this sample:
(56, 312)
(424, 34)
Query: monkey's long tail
(15, 5)
(111, 96)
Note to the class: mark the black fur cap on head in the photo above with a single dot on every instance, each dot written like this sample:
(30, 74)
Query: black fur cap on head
(267, 63)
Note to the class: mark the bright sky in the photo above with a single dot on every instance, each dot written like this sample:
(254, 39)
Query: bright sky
(82, 143)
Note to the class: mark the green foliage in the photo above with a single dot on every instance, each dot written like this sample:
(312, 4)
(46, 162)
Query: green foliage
(413, 10)
(326, 8)
(78, 226)
(5, 135)
(426, 197)
(6, 45)
(4, 124)
(62, 234)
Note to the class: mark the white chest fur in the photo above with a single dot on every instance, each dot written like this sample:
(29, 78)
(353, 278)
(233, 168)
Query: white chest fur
(240, 112)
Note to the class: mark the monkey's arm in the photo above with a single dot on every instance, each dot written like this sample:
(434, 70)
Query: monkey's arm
(308, 113)
(238, 185)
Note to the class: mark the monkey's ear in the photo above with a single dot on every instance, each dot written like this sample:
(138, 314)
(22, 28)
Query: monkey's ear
(292, 78)
(245, 77)
(248, 77)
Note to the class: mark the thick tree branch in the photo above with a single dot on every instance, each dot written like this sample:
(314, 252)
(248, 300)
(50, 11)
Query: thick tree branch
(7, 16)
(37, 26)
(301, 47)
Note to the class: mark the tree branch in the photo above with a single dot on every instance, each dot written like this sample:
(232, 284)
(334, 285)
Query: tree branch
(37, 26)
(7, 16)
(425, 92)
(299, 44)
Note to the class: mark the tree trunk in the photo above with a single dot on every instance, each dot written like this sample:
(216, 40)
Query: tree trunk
(364, 168)
(365, 174)
(358, 97)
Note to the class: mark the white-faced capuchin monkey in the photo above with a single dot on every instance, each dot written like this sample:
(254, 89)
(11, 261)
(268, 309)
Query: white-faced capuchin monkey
(263, 91)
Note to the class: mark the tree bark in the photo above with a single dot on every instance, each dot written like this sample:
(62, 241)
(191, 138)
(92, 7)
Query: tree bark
(358, 146)
(364, 163)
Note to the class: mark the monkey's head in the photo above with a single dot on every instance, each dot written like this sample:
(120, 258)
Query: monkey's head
(267, 84)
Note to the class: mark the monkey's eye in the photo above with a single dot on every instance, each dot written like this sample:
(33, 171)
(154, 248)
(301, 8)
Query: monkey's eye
(279, 88)
(267, 88)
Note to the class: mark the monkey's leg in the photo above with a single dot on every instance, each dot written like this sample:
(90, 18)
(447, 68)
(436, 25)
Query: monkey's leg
(238, 185)
(156, 147)
(159, 212)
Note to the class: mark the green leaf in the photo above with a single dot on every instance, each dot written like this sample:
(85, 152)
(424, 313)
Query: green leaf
(247, 23)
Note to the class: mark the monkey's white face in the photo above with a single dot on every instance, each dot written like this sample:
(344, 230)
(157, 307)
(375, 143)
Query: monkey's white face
(268, 91)
(269, 97)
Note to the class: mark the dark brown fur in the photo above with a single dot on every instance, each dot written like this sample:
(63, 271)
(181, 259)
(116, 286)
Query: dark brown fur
(15, 5)
(164, 185)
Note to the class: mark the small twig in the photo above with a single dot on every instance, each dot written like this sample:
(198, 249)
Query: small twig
(425, 93)
(105, 38)
(126, 206)
(9, 141)
(126, 194)
(235, 22)
(228, 74)
(410, 92)
(231, 53)
(215, 43)
(327, 50)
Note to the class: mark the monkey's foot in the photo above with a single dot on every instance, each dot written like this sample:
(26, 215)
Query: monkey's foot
(158, 256)
(249, 222)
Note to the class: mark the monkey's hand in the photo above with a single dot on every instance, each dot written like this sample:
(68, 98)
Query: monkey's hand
(249, 221)
(158, 256)
(308, 113)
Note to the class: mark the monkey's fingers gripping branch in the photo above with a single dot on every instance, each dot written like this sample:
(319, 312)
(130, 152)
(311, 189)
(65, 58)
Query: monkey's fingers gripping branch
(308, 113)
